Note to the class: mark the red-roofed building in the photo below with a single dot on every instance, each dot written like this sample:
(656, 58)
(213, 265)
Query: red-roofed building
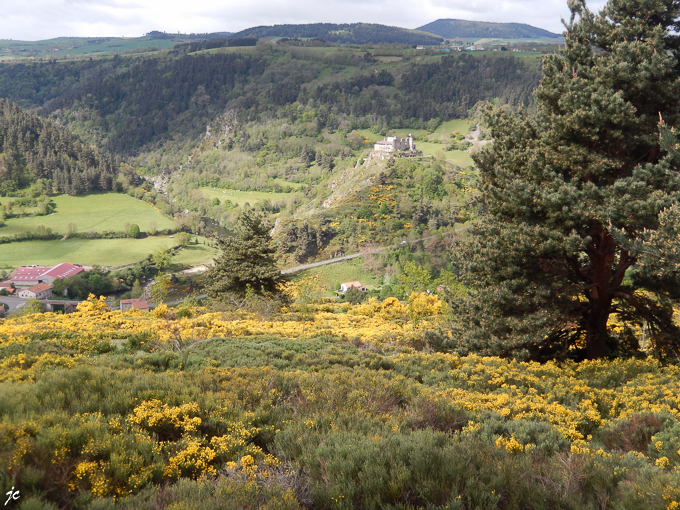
(349, 285)
(61, 271)
(33, 275)
(40, 291)
(126, 304)
(28, 276)
(7, 286)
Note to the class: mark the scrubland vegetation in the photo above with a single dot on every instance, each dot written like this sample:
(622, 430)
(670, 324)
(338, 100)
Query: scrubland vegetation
(351, 408)
(518, 346)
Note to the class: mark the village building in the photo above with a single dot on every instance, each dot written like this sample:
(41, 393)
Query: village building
(40, 291)
(30, 276)
(8, 287)
(344, 287)
(140, 304)
(393, 144)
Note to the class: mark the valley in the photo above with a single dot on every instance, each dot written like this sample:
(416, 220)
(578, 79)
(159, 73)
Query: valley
(343, 266)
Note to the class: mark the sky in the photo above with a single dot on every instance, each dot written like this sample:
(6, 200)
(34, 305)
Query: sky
(47, 19)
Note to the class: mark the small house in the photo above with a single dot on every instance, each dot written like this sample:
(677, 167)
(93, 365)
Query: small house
(8, 287)
(140, 304)
(344, 287)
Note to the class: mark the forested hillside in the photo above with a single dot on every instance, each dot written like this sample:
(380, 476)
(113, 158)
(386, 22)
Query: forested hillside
(32, 148)
(127, 103)
(462, 29)
(353, 33)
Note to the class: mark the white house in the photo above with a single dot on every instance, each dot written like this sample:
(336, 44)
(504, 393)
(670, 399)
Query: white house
(40, 291)
(348, 285)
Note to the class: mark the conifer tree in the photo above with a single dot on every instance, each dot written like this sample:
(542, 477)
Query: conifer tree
(577, 195)
(247, 259)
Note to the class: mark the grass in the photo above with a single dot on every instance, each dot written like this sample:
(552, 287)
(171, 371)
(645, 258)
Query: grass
(241, 197)
(98, 213)
(436, 150)
(80, 46)
(333, 275)
(459, 126)
(104, 252)
(195, 254)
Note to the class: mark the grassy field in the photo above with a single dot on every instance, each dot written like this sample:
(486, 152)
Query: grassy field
(99, 212)
(333, 275)
(459, 126)
(104, 252)
(436, 150)
(241, 197)
(81, 46)
(195, 254)
(294, 185)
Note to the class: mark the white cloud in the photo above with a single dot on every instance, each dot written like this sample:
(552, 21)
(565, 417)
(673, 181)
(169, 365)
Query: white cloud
(45, 19)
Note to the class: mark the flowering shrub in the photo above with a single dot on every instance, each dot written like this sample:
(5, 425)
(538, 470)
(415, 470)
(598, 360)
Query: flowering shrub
(335, 414)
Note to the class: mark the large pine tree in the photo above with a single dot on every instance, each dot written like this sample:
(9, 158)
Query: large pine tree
(247, 260)
(574, 194)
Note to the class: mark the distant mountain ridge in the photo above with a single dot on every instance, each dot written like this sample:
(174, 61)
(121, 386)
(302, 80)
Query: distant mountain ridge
(462, 29)
(353, 33)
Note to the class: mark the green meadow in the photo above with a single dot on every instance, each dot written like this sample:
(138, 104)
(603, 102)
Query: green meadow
(332, 275)
(241, 197)
(97, 213)
(104, 252)
(436, 150)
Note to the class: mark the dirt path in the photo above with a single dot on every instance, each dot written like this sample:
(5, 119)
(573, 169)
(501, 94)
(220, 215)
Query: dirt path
(473, 138)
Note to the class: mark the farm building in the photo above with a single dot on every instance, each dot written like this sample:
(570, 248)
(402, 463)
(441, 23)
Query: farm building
(29, 276)
(348, 285)
(40, 291)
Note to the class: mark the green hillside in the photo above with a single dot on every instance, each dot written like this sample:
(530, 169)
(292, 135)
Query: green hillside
(74, 47)
(93, 213)
(353, 33)
(462, 29)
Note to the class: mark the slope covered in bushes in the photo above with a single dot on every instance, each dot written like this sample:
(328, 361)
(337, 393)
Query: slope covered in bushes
(106, 409)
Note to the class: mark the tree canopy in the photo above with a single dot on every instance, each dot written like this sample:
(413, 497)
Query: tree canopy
(247, 260)
(575, 194)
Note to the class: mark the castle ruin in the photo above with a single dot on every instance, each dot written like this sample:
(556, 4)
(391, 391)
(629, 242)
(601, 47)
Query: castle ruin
(392, 144)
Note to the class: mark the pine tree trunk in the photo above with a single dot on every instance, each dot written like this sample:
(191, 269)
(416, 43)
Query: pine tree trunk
(605, 280)
(596, 331)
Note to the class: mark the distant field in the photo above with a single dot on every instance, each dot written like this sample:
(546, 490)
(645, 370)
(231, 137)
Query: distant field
(104, 252)
(459, 126)
(241, 197)
(436, 150)
(81, 46)
(195, 254)
(100, 212)
(333, 275)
